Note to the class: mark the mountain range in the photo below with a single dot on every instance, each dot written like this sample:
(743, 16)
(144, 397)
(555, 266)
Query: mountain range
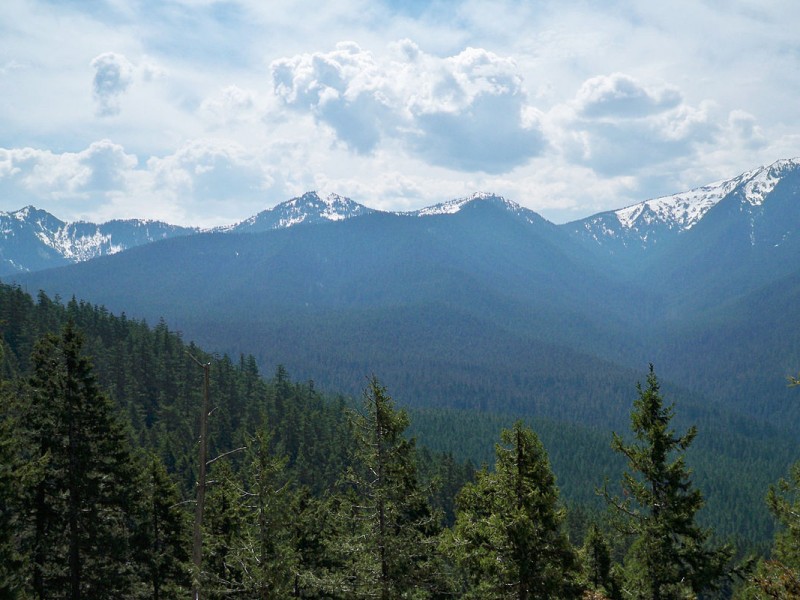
(475, 302)
(32, 239)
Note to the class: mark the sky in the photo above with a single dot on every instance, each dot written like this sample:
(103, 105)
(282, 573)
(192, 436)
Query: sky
(205, 112)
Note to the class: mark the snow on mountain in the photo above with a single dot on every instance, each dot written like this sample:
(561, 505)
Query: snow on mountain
(308, 208)
(32, 239)
(646, 223)
(456, 205)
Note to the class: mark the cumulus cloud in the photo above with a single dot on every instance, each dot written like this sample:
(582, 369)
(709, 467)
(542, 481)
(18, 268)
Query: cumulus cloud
(618, 125)
(113, 74)
(203, 182)
(744, 130)
(619, 95)
(344, 89)
(209, 170)
(472, 114)
(102, 167)
(231, 105)
(466, 112)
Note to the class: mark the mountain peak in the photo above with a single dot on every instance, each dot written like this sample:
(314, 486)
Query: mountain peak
(33, 239)
(760, 182)
(645, 223)
(453, 206)
(308, 208)
(685, 209)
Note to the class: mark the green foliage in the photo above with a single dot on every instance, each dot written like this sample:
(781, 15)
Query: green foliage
(671, 557)
(784, 502)
(298, 513)
(597, 563)
(13, 476)
(386, 533)
(161, 541)
(508, 537)
(75, 529)
(779, 577)
(265, 555)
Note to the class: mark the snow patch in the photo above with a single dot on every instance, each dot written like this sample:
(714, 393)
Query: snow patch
(685, 210)
(453, 206)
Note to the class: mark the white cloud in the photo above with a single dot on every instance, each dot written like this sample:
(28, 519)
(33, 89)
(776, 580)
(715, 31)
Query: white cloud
(743, 128)
(617, 125)
(209, 171)
(231, 105)
(113, 74)
(619, 95)
(465, 112)
(206, 181)
(344, 89)
(102, 167)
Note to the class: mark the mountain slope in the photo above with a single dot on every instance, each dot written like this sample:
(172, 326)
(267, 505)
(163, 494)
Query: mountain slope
(33, 239)
(652, 225)
(307, 209)
(487, 292)
(474, 290)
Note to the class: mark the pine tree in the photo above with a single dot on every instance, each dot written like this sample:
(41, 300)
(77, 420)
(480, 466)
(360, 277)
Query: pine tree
(162, 534)
(508, 536)
(779, 577)
(671, 556)
(386, 528)
(13, 474)
(266, 556)
(224, 526)
(77, 526)
(596, 558)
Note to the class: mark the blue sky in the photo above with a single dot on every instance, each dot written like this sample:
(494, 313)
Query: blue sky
(203, 112)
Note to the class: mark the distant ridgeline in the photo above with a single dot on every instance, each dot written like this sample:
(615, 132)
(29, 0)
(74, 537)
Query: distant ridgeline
(310, 443)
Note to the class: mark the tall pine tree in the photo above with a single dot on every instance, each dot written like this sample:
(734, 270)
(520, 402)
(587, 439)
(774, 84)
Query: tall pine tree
(387, 530)
(266, 555)
(671, 556)
(508, 537)
(13, 475)
(76, 529)
(162, 534)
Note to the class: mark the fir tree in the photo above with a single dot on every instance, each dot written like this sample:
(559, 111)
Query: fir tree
(163, 538)
(13, 473)
(224, 525)
(386, 528)
(671, 556)
(508, 536)
(779, 577)
(596, 558)
(77, 526)
(266, 556)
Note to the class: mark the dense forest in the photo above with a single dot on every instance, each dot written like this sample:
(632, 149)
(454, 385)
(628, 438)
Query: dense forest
(104, 494)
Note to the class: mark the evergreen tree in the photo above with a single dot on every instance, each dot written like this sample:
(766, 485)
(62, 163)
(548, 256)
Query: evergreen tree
(224, 526)
(163, 537)
(386, 530)
(596, 558)
(671, 557)
(508, 537)
(12, 475)
(779, 577)
(266, 555)
(76, 529)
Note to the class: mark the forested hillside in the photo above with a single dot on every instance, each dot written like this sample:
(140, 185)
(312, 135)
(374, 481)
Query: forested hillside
(315, 496)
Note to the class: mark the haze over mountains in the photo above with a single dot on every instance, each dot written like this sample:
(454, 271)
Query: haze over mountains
(510, 307)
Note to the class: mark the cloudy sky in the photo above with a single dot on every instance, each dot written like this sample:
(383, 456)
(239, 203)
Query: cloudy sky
(205, 112)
